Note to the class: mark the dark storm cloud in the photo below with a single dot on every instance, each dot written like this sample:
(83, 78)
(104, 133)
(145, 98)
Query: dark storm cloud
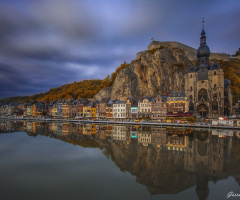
(45, 44)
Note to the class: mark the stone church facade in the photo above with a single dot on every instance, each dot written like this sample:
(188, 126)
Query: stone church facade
(209, 95)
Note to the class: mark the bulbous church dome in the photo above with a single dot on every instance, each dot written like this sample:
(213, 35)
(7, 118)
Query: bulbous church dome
(203, 51)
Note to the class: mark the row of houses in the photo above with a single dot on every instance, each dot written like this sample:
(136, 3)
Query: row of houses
(155, 108)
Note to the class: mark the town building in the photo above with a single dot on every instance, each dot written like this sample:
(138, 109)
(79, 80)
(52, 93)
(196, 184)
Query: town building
(39, 109)
(109, 108)
(134, 109)
(128, 108)
(67, 110)
(80, 103)
(119, 110)
(87, 107)
(102, 108)
(54, 111)
(177, 103)
(74, 109)
(145, 107)
(29, 110)
(97, 105)
(93, 111)
(159, 108)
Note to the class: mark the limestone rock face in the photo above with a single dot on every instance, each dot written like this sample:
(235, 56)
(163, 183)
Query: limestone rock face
(158, 70)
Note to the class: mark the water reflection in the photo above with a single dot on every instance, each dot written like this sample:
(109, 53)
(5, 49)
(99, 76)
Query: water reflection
(166, 160)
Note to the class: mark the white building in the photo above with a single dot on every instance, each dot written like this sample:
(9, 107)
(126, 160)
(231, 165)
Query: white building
(119, 110)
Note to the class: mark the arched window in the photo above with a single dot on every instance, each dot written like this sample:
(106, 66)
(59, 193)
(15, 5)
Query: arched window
(214, 105)
(190, 87)
(190, 97)
(215, 73)
(215, 85)
(191, 76)
(191, 106)
(202, 94)
(215, 96)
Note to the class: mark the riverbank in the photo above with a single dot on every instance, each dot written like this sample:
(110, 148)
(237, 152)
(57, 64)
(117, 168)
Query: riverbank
(145, 123)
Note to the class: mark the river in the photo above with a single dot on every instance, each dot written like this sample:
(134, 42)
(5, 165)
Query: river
(40, 160)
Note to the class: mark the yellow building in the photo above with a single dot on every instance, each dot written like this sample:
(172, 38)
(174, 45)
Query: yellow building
(93, 112)
(54, 112)
(87, 108)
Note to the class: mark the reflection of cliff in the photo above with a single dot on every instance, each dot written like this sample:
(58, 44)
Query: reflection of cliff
(205, 158)
(160, 171)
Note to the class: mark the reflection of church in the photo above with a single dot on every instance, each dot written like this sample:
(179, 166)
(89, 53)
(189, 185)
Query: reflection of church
(209, 95)
(204, 157)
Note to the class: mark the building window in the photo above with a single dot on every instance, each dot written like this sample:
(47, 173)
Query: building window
(202, 94)
(214, 105)
(215, 73)
(191, 106)
(190, 87)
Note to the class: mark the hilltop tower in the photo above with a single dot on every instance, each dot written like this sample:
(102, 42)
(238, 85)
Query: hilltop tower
(205, 86)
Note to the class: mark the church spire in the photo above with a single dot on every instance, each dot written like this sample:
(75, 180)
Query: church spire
(203, 36)
(203, 51)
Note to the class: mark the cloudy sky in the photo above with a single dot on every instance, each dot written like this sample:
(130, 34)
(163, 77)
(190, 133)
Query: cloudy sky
(48, 43)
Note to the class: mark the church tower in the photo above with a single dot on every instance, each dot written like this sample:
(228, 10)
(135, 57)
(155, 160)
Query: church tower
(204, 85)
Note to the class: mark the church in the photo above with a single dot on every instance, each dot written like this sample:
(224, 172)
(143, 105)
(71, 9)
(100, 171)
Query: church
(209, 95)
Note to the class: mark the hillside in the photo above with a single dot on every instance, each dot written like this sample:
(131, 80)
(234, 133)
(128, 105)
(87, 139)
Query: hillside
(81, 89)
(158, 70)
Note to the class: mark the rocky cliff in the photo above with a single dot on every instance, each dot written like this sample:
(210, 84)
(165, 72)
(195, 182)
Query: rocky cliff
(158, 70)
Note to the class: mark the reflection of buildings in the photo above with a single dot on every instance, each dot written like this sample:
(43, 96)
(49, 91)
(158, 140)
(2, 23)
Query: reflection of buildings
(173, 161)
(158, 137)
(66, 128)
(144, 136)
(119, 133)
(177, 142)
(9, 126)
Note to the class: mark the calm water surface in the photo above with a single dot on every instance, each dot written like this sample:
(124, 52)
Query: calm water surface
(87, 161)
